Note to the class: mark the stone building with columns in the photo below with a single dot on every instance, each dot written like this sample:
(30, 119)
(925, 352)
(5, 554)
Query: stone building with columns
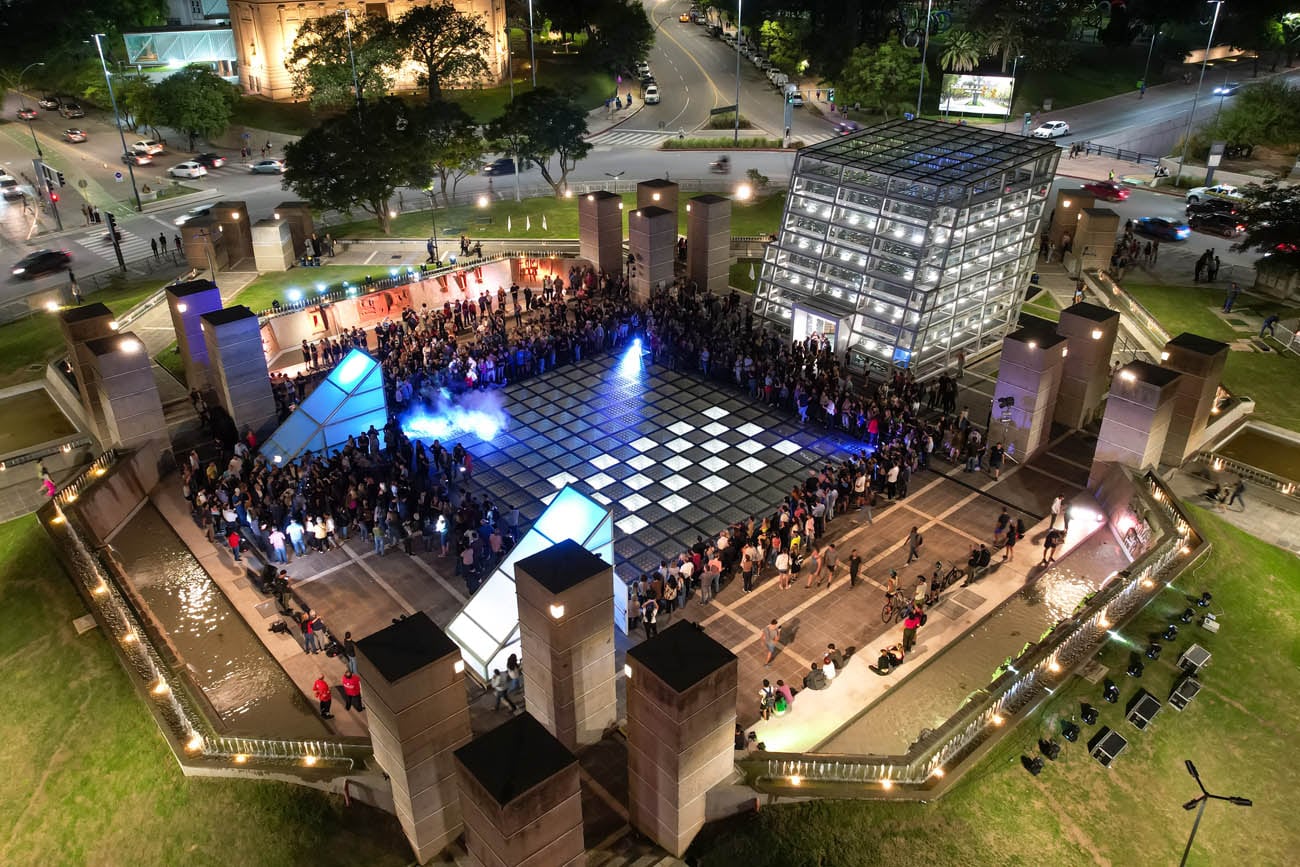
(264, 31)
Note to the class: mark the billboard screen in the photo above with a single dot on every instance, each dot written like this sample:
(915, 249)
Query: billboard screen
(976, 94)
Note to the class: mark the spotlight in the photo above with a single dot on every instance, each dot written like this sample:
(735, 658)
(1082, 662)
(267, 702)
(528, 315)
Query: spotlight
(1034, 765)
(1204, 601)
(1153, 651)
(1170, 633)
(1135, 666)
(1111, 692)
(1049, 748)
(1089, 714)
(1188, 615)
(1069, 731)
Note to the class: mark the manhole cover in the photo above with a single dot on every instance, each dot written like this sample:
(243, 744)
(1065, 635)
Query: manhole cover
(85, 623)
(969, 598)
(1093, 672)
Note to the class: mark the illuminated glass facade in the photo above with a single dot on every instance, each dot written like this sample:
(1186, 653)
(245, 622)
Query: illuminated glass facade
(908, 241)
(347, 403)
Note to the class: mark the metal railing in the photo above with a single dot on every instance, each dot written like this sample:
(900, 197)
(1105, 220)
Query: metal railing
(1132, 156)
(1217, 463)
(41, 454)
(1131, 306)
(1026, 682)
(98, 467)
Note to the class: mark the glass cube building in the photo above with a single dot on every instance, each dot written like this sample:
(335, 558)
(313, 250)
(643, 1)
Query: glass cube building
(907, 241)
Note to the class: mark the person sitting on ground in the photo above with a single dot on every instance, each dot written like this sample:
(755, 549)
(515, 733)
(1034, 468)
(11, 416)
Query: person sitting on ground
(889, 659)
(828, 667)
(783, 690)
(834, 657)
(979, 561)
(815, 679)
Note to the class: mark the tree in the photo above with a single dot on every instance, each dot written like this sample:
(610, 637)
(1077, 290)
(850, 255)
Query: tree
(453, 148)
(139, 100)
(963, 51)
(196, 101)
(1271, 213)
(621, 33)
(542, 124)
(883, 79)
(322, 67)
(449, 45)
(783, 41)
(358, 160)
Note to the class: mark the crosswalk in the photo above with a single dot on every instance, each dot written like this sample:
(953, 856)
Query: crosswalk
(133, 246)
(630, 138)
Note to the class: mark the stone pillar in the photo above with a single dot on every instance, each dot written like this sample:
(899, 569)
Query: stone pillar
(657, 193)
(1138, 411)
(127, 391)
(301, 223)
(600, 230)
(1085, 377)
(681, 723)
(187, 303)
(520, 798)
(1200, 360)
(234, 226)
(708, 242)
(239, 375)
(413, 682)
(1029, 372)
(652, 241)
(1070, 205)
(566, 629)
(1094, 239)
(273, 245)
(204, 245)
(79, 326)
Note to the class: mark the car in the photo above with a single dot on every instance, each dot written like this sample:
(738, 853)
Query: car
(188, 169)
(210, 161)
(71, 109)
(647, 78)
(10, 188)
(76, 136)
(1227, 225)
(1164, 228)
(137, 159)
(847, 127)
(1052, 129)
(49, 103)
(1218, 191)
(1228, 88)
(1212, 206)
(192, 214)
(499, 166)
(27, 114)
(685, 18)
(713, 30)
(148, 146)
(1107, 190)
(41, 262)
(651, 95)
(642, 68)
(267, 167)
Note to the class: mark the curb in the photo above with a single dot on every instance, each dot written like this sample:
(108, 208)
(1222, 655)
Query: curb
(618, 123)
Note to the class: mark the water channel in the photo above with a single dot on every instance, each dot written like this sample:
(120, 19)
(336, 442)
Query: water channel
(1273, 454)
(247, 687)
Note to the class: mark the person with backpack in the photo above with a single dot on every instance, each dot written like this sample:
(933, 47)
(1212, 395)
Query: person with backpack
(914, 542)
(914, 620)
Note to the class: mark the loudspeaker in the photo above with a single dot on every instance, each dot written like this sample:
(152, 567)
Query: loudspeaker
(1153, 650)
(1170, 633)
(1110, 692)
(1034, 765)
(1089, 714)
(1135, 667)
(1143, 709)
(1188, 615)
(1069, 731)
(1049, 748)
(1185, 690)
(1106, 746)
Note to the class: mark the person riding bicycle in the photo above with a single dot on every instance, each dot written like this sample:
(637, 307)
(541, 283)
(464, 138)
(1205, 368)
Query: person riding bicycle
(891, 585)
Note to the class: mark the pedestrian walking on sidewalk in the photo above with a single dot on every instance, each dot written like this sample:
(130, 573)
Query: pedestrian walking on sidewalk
(855, 564)
(324, 695)
(771, 636)
(501, 687)
(914, 543)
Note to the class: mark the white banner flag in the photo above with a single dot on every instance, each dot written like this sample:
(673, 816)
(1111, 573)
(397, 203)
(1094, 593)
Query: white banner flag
(544, 222)
(528, 223)
(508, 224)
(751, 270)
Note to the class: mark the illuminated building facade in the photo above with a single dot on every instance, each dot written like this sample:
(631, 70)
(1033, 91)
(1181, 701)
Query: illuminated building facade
(265, 31)
(908, 241)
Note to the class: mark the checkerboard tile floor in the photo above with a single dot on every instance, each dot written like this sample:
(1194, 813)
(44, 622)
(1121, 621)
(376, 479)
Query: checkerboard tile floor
(675, 456)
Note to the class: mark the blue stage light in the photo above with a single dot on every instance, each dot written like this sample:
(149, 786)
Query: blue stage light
(630, 366)
(479, 413)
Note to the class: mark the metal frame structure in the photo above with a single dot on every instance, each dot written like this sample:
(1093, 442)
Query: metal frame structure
(908, 241)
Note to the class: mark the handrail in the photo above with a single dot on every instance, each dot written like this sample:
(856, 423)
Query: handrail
(1134, 308)
(69, 492)
(1217, 462)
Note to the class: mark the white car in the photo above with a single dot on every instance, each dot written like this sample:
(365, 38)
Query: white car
(1052, 129)
(1218, 191)
(188, 170)
(147, 146)
(651, 95)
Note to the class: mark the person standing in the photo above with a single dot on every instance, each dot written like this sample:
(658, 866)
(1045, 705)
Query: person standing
(323, 695)
(1237, 495)
(914, 543)
(649, 616)
(1233, 291)
(771, 636)
(829, 559)
(855, 563)
(1009, 550)
(154, 245)
(911, 623)
(352, 691)
(1058, 510)
(501, 687)
(1050, 544)
(350, 653)
(233, 540)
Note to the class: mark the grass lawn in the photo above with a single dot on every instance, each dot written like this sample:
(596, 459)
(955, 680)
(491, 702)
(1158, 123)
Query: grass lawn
(90, 778)
(739, 274)
(1044, 306)
(1270, 379)
(759, 216)
(1076, 812)
(286, 118)
(273, 285)
(26, 345)
(170, 360)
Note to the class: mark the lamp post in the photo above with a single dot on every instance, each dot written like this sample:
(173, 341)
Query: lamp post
(1015, 64)
(1198, 804)
(1187, 133)
(22, 103)
(532, 49)
(117, 118)
(925, 47)
(1147, 68)
(347, 30)
(736, 130)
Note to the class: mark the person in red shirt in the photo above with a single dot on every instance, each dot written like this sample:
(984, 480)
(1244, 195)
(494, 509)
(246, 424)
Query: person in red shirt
(911, 623)
(351, 691)
(325, 696)
(233, 540)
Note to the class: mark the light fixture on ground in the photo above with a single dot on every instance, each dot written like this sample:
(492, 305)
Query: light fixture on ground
(1198, 803)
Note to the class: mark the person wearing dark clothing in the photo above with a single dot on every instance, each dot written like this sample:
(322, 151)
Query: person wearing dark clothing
(815, 679)
(855, 564)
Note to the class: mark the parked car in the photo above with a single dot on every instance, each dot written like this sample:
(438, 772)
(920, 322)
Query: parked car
(1228, 88)
(10, 188)
(71, 109)
(76, 136)
(1164, 228)
(685, 18)
(1218, 191)
(713, 30)
(1108, 190)
(499, 166)
(49, 103)
(1052, 129)
(148, 146)
(1227, 225)
(1212, 206)
(27, 114)
(210, 161)
(192, 214)
(267, 167)
(41, 262)
(188, 169)
(651, 95)
(137, 159)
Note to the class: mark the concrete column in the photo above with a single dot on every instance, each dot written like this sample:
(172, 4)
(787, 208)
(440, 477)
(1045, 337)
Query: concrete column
(301, 223)
(708, 242)
(657, 193)
(520, 797)
(600, 230)
(127, 391)
(413, 681)
(204, 244)
(1070, 205)
(187, 302)
(566, 629)
(239, 375)
(80, 325)
(272, 245)
(652, 241)
(1138, 412)
(1029, 372)
(232, 222)
(1200, 360)
(1085, 377)
(681, 722)
(1094, 238)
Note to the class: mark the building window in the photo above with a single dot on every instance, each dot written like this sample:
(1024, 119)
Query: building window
(378, 10)
(196, 8)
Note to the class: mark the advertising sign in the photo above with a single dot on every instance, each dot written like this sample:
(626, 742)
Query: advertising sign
(976, 94)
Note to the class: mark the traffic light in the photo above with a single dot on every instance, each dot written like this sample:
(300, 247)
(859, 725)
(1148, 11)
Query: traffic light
(63, 182)
(830, 95)
(112, 223)
(789, 97)
(54, 197)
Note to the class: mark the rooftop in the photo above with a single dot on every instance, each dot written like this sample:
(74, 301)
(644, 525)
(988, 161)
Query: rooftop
(1151, 373)
(190, 287)
(657, 182)
(86, 311)
(514, 757)
(652, 211)
(407, 646)
(561, 566)
(226, 315)
(1198, 344)
(682, 655)
(1092, 312)
(1044, 336)
(709, 199)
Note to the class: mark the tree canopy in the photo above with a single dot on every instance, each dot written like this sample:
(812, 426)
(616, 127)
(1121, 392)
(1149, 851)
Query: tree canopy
(321, 67)
(541, 125)
(196, 101)
(884, 79)
(621, 33)
(1271, 213)
(449, 45)
(452, 146)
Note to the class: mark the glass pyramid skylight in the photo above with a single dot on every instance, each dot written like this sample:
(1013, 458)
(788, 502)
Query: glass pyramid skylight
(347, 402)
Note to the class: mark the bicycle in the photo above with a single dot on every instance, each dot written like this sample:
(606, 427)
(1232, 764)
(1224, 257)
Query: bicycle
(895, 605)
(937, 586)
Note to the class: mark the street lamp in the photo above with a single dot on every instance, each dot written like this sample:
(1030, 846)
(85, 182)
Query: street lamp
(532, 49)
(1204, 798)
(925, 47)
(22, 103)
(1147, 68)
(1187, 134)
(347, 30)
(117, 118)
(736, 131)
(1015, 64)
